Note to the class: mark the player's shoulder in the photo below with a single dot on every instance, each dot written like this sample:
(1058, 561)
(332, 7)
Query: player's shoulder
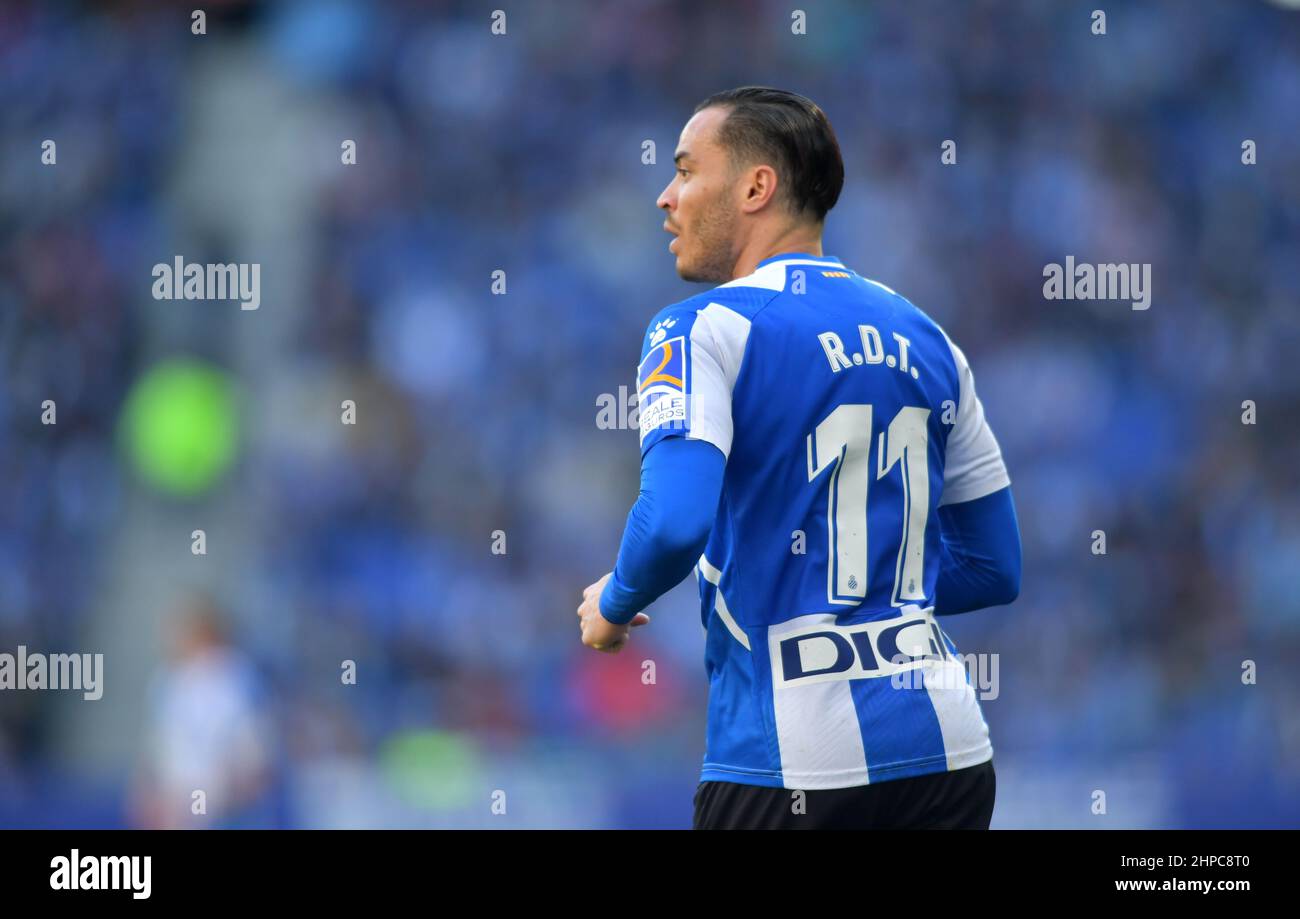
(901, 305)
(929, 336)
(887, 298)
(722, 305)
(925, 334)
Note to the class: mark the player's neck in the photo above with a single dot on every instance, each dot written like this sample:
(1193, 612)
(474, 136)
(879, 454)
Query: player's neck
(801, 241)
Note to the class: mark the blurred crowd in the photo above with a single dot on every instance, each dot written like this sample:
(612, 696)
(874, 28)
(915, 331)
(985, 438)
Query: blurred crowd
(440, 544)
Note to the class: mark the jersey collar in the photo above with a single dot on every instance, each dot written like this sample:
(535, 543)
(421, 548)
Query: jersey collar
(803, 257)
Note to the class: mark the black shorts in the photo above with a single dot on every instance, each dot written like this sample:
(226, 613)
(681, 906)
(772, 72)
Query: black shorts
(957, 800)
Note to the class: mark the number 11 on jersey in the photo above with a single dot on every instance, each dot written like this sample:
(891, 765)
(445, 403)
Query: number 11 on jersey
(842, 443)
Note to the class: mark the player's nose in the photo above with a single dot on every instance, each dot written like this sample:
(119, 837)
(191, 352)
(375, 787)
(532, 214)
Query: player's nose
(667, 200)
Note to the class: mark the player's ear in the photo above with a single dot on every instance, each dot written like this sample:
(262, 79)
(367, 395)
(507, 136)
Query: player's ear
(760, 187)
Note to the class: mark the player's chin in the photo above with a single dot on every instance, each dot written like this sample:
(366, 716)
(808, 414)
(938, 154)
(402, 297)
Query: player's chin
(689, 273)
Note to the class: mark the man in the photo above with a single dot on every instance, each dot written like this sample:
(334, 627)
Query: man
(206, 730)
(819, 438)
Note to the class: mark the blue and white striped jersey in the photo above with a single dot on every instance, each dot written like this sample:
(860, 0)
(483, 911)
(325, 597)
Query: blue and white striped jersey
(847, 418)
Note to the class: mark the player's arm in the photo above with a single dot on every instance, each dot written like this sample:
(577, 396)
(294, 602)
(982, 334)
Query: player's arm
(979, 560)
(979, 534)
(684, 384)
(668, 526)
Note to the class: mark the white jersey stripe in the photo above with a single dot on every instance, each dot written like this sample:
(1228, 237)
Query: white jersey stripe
(714, 577)
(817, 724)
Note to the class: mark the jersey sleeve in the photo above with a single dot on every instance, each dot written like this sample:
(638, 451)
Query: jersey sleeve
(684, 381)
(973, 465)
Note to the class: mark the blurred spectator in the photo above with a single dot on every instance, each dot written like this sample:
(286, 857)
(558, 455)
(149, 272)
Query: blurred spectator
(207, 743)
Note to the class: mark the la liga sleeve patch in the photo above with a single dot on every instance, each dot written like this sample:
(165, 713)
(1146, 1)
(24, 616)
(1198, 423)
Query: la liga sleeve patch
(661, 386)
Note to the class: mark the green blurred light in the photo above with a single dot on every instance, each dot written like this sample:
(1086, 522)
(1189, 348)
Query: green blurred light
(432, 769)
(180, 428)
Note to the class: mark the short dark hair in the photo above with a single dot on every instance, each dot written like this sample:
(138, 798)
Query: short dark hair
(788, 132)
